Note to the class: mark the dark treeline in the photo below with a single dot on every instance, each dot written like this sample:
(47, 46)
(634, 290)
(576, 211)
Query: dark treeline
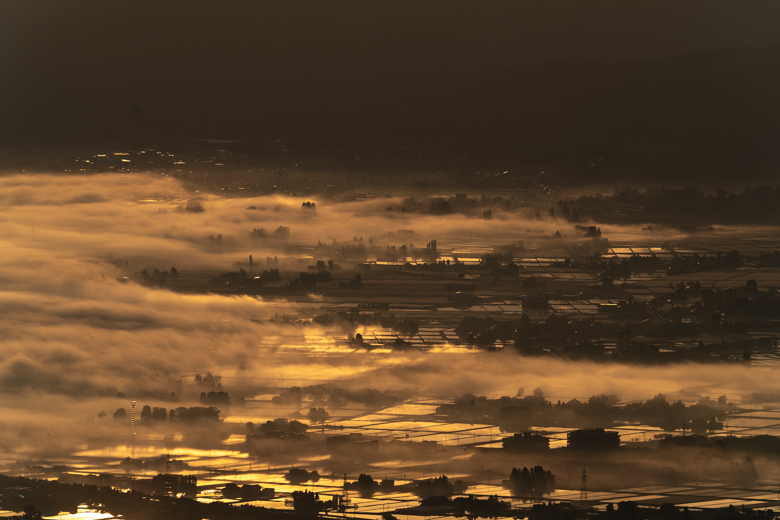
(157, 277)
(278, 428)
(519, 413)
(355, 318)
(478, 206)
(577, 338)
(183, 414)
(238, 276)
(760, 205)
(298, 476)
(367, 486)
(309, 279)
(688, 310)
(768, 445)
(677, 264)
(337, 398)
(439, 486)
(159, 485)
(280, 232)
(533, 482)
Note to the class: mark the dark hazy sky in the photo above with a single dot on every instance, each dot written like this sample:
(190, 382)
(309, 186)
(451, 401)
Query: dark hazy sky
(79, 59)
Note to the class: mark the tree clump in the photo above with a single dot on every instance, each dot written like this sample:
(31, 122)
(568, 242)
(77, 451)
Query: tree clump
(534, 482)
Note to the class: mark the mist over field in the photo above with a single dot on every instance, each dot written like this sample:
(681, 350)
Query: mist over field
(75, 332)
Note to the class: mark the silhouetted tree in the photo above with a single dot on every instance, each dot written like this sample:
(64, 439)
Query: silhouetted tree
(317, 415)
(299, 476)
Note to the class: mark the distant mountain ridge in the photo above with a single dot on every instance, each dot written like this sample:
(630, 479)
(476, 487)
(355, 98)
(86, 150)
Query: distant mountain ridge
(715, 110)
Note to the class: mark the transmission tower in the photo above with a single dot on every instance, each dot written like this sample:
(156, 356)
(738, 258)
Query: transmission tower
(344, 502)
(584, 488)
(132, 423)
(168, 479)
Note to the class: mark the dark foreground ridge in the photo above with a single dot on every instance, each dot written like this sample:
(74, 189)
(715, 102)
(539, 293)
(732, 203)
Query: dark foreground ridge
(38, 498)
